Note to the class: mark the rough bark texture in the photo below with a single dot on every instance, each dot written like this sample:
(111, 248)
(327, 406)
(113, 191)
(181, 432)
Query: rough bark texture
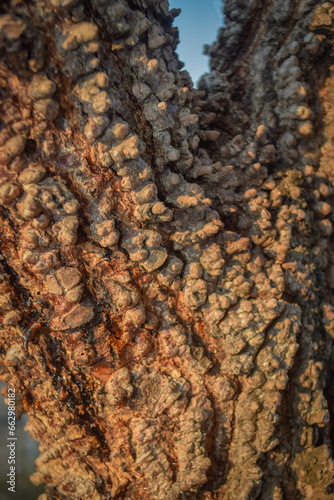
(167, 270)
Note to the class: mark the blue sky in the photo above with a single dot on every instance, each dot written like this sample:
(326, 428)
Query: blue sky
(198, 24)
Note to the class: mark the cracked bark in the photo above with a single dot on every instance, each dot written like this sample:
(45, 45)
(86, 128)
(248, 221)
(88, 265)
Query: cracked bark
(166, 266)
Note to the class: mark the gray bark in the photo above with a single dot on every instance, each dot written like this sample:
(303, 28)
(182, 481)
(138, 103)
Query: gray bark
(167, 268)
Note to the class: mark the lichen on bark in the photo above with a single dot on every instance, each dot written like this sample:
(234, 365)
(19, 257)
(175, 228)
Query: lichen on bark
(167, 271)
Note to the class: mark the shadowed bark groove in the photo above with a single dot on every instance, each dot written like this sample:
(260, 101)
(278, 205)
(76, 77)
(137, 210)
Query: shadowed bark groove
(167, 271)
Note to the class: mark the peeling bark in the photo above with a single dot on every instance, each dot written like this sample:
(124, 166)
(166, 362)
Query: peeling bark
(166, 266)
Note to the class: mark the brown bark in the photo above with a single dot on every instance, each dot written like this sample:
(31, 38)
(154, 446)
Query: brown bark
(166, 253)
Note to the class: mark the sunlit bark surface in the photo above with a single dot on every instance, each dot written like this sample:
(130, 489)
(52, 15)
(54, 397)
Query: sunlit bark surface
(167, 266)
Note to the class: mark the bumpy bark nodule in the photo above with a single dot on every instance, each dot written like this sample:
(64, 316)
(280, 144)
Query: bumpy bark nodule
(167, 270)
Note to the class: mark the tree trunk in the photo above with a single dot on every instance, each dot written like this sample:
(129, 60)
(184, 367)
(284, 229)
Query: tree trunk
(167, 273)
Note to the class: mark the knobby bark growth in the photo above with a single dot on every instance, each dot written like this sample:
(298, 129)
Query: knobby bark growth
(167, 271)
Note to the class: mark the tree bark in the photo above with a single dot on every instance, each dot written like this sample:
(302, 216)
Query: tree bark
(167, 271)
